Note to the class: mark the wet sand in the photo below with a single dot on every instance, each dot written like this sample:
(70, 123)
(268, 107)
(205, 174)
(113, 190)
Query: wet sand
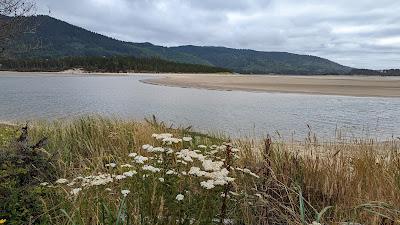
(364, 86)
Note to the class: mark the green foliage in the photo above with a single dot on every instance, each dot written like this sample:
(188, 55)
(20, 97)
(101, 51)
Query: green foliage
(21, 171)
(113, 64)
(54, 39)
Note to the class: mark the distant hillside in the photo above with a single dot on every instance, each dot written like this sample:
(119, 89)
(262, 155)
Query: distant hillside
(55, 38)
(112, 64)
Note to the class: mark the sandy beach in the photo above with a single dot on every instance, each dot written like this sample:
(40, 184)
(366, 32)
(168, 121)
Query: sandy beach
(367, 86)
(362, 86)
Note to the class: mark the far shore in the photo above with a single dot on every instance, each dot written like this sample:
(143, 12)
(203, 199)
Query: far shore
(71, 73)
(345, 85)
(361, 86)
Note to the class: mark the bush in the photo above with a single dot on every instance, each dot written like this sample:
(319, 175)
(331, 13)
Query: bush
(22, 169)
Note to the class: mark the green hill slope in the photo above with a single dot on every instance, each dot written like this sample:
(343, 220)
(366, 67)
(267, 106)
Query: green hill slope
(55, 38)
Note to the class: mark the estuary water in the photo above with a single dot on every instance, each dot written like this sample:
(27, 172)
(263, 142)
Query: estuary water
(234, 113)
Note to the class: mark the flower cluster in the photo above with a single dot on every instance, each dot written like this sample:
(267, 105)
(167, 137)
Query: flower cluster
(163, 162)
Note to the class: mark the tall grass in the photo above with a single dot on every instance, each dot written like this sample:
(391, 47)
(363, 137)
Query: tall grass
(354, 181)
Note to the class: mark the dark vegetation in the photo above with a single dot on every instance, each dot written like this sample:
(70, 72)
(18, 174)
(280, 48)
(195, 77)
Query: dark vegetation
(112, 64)
(23, 166)
(391, 72)
(53, 38)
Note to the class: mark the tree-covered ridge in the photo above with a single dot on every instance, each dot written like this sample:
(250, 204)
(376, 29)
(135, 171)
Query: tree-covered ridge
(55, 38)
(112, 64)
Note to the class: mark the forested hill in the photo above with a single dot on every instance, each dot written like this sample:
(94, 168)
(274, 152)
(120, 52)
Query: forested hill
(53, 38)
(112, 64)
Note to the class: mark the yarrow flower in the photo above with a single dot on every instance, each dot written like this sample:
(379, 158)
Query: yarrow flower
(209, 165)
(133, 154)
(130, 173)
(140, 159)
(197, 172)
(171, 140)
(315, 223)
(180, 197)
(75, 191)
(125, 192)
(126, 165)
(187, 139)
(161, 136)
(120, 177)
(209, 184)
(170, 172)
(61, 181)
(145, 147)
(151, 168)
(112, 165)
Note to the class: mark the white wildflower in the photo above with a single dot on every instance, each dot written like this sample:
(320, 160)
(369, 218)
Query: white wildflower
(125, 192)
(101, 179)
(187, 155)
(157, 149)
(145, 147)
(315, 223)
(170, 172)
(197, 171)
(187, 139)
(108, 189)
(120, 177)
(209, 184)
(126, 165)
(140, 159)
(112, 165)
(151, 168)
(235, 150)
(259, 195)
(129, 173)
(133, 154)
(180, 197)
(75, 191)
(61, 181)
(161, 179)
(209, 165)
(162, 136)
(171, 140)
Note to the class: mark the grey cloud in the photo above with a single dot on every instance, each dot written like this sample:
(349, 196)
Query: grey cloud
(362, 33)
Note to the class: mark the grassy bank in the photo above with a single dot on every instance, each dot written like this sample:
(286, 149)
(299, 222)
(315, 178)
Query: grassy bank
(104, 171)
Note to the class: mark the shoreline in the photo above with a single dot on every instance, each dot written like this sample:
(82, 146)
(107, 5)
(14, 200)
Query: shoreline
(70, 73)
(340, 85)
(357, 86)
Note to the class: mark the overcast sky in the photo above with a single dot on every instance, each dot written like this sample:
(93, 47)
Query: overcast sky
(359, 33)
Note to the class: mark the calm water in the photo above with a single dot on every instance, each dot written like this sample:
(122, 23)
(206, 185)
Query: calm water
(235, 113)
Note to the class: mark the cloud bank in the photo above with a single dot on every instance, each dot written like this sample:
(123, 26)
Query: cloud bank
(359, 33)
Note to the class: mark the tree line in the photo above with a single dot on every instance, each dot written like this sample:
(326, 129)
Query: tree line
(114, 64)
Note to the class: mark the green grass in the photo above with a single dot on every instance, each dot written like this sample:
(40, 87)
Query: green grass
(289, 183)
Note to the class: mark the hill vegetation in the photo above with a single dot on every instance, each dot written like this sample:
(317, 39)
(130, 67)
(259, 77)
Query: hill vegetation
(112, 64)
(53, 38)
